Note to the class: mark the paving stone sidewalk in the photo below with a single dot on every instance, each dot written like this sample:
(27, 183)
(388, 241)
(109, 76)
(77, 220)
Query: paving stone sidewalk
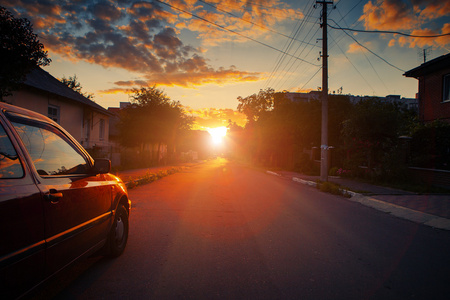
(430, 204)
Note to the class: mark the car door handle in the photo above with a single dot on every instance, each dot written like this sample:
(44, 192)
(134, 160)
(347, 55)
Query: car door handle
(53, 195)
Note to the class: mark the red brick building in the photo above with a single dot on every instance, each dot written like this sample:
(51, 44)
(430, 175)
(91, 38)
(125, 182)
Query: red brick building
(434, 88)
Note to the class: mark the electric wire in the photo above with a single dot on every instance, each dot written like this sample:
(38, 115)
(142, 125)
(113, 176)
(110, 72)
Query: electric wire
(311, 78)
(356, 69)
(370, 50)
(390, 32)
(232, 31)
(367, 58)
(288, 47)
(253, 23)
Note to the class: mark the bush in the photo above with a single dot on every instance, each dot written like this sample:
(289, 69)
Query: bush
(306, 166)
(331, 188)
(333, 171)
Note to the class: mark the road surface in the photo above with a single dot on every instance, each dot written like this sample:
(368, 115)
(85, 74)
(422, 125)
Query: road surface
(220, 230)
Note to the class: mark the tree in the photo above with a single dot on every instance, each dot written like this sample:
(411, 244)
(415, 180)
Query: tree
(255, 105)
(152, 119)
(73, 83)
(20, 51)
(430, 145)
(371, 136)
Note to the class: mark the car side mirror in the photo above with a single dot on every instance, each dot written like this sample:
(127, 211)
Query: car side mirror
(102, 165)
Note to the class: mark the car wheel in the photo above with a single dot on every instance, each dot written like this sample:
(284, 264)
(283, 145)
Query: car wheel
(118, 236)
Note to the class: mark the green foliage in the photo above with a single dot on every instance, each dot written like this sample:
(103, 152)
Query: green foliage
(73, 83)
(370, 136)
(278, 135)
(430, 145)
(306, 166)
(255, 105)
(149, 177)
(20, 51)
(333, 171)
(332, 188)
(152, 119)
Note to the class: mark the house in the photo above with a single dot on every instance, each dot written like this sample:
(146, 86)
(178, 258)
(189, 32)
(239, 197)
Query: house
(84, 119)
(434, 88)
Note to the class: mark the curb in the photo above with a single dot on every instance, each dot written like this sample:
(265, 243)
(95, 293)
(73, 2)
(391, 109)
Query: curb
(393, 209)
(150, 177)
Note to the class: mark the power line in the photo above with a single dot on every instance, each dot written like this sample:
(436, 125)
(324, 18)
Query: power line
(232, 31)
(370, 63)
(390, 32)
(311, 78)
(350, 10)
(360, 74)
(289, 44)
(370, 50)
(253, 23)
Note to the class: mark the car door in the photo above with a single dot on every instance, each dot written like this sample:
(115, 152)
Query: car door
(77, 204)
(22, 245)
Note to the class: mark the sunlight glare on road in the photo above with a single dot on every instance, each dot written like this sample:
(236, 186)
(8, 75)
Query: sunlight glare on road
(217, 134)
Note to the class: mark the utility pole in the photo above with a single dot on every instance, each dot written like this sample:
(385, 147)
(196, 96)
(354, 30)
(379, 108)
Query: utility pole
(324, 138)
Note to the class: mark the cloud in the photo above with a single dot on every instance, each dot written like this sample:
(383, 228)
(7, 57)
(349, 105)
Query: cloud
(432, 9)
(387, 15)
(413, 42)
(194, 78)
(143, 37)
(420, 17)
(356, 48)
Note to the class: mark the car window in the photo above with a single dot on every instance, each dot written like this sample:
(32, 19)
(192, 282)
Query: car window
(10, 166)
(51, 152)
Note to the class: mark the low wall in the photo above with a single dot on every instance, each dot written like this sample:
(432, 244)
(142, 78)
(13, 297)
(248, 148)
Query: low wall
(434, 177)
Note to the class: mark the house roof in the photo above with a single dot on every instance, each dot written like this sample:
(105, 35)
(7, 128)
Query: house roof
(42, 80)
(431, 66)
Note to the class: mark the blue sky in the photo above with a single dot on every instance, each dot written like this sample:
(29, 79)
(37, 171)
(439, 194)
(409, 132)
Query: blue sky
(207, 53)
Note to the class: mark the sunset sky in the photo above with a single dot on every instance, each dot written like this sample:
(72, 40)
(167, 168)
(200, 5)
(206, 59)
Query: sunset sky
(207, 53)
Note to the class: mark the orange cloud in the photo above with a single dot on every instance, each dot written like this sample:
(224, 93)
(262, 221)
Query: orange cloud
(220, 77)
(114, 91)
(413, 42)
(393, 15)
(356, 48)
(252, 19)
(434, 10)
(387, 15)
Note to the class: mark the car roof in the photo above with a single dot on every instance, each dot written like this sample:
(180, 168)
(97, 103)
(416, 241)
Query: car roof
(26, 112)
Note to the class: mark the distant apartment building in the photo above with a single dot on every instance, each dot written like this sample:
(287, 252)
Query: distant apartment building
(411, 103)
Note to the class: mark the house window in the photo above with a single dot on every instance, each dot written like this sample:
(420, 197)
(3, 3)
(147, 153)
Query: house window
(53, 113)
(446, 88)
(102, 129)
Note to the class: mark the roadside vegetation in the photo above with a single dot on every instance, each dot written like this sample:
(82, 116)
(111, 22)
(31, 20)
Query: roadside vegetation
(372, 140)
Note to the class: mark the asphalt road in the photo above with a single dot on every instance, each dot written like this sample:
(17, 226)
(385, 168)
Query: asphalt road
(223, 231)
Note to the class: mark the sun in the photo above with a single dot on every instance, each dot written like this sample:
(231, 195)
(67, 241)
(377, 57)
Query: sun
(217, 134)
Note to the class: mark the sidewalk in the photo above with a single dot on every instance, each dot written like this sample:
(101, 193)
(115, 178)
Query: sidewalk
(428, 209)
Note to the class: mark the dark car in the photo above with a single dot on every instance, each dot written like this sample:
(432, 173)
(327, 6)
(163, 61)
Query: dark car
(57, 204)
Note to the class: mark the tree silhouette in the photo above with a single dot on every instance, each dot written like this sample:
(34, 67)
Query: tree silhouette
(73, 83)
(152, 119)
(20, 51)
(255, 105)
